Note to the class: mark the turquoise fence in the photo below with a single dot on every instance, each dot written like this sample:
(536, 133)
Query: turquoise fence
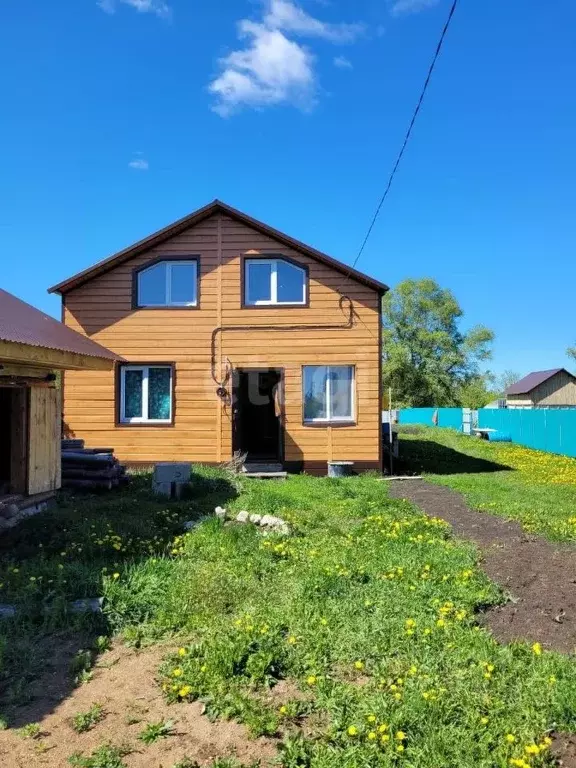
(546, 429)
(447, 417)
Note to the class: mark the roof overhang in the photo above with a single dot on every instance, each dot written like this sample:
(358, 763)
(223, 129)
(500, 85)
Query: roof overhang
(52, 359)
(179, 226)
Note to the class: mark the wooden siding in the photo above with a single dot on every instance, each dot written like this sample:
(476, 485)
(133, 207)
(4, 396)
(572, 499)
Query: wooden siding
(558, 390)
(102, 309)
(44, 440)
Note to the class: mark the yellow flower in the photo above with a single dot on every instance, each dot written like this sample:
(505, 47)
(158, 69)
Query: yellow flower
(382, 728)
(372, 735)
(186, 690)
(537, 649)
(371, 718)
(510, 738)
(413, 670)
(385, 738)
(400, 735)
(177, 672)
(292, 640)
(352, 730)
(115, 575)
(311, 679)
(552, 680)
(359, 664)
(532, 749)
(283, 709)
(410, 623)
(182, 651)
(484, 720)
(323, 622)
(440, 623)
(400, 748)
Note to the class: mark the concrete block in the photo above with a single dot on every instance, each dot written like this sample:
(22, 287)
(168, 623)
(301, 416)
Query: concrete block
(172, 472)
(162, 489)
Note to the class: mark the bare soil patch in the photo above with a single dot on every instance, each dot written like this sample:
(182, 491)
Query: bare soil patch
(124, 684)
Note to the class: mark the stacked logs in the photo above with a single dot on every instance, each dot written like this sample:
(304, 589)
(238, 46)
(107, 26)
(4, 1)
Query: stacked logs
(90, 468)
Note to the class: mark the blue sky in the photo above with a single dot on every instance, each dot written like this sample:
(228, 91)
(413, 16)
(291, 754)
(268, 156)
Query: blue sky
(121, 116)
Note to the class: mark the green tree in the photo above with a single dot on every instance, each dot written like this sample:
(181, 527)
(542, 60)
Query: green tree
(504, 380)
(571, 352)
(427, 358)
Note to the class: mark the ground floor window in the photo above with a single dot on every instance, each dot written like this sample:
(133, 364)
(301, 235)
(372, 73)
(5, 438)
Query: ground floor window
(146, 394)
(328, 393)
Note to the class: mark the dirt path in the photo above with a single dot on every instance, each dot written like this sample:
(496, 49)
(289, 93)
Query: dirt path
(124, 684)
(539, 575)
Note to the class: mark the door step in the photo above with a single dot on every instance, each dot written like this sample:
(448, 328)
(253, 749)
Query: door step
(264, 471)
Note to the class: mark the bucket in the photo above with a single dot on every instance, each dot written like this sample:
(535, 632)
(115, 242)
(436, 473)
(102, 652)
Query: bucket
(340, 468)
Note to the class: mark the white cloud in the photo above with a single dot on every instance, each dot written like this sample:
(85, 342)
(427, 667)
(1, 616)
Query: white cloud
(342, 62)
(139, 164)
(411, 6)
(285, 15)
(158, 7)
(272, 68)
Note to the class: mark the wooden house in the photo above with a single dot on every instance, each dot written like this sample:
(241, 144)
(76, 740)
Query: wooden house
(237, 340)
(543, 389)
(34, 348)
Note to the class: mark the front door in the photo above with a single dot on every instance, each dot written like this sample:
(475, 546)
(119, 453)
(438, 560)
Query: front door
(258, 414)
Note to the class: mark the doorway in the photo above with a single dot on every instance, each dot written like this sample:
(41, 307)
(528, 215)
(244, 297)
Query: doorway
(13, 440)
(258, 429)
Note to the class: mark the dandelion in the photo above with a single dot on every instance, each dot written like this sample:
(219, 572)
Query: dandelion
(410, 623)
(385, 738)
(400, 735)
(283, 709)
(115, 575)
(323, 622)
(311, 679)
(383, 728)
(186, 690)
(484, 720)
(400, 748)
(182, 651)
(371, 718)
(292, 640)
(551, 680)
(177, 672)
(359, 664)
(372, 736)
(510, 738)
(352, 730)
(532, 749)
(537, 649)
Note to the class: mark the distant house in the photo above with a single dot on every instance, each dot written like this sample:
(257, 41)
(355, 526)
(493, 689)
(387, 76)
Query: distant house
(543, 389)
(34, 348)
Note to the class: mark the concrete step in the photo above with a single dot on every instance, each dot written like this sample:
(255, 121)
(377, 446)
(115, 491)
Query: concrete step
(267, 475)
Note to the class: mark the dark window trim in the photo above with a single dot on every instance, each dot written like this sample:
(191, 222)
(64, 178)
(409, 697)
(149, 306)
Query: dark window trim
(338, 424)
(166, 257)
(117, 395)
(269, 257)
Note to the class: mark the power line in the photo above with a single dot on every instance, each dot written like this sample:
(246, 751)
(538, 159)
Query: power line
(408, 134)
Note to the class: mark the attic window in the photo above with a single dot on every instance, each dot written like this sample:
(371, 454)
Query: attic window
(168, 284)
(274, 282)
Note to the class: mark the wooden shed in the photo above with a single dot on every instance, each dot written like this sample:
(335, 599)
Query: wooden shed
(34, 348)
(555, 388)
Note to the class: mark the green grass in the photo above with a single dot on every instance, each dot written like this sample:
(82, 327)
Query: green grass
(85, 721)
(367, 609)
(155, 731)
(538, 489)
(106, 756)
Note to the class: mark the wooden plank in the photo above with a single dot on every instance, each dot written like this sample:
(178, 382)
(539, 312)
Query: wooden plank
(44, 462)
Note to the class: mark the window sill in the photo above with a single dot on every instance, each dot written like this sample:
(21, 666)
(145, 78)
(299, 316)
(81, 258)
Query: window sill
(297, 305)
(185, 307)
(153, 424)
(322, 424)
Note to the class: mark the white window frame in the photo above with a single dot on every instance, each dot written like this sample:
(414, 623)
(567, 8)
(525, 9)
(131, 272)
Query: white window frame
(273, 301)
(168, 287)
(145, 375)
(329, 419)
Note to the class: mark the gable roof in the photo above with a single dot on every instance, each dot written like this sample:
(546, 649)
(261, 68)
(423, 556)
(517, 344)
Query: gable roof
(21, 323)
(195, 218)
(533, 380)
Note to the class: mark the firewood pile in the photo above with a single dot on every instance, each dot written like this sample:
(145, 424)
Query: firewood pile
(90, 468)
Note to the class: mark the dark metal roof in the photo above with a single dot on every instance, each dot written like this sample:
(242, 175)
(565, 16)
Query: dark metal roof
(533, 380)
(22, 323)
(195, 218)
